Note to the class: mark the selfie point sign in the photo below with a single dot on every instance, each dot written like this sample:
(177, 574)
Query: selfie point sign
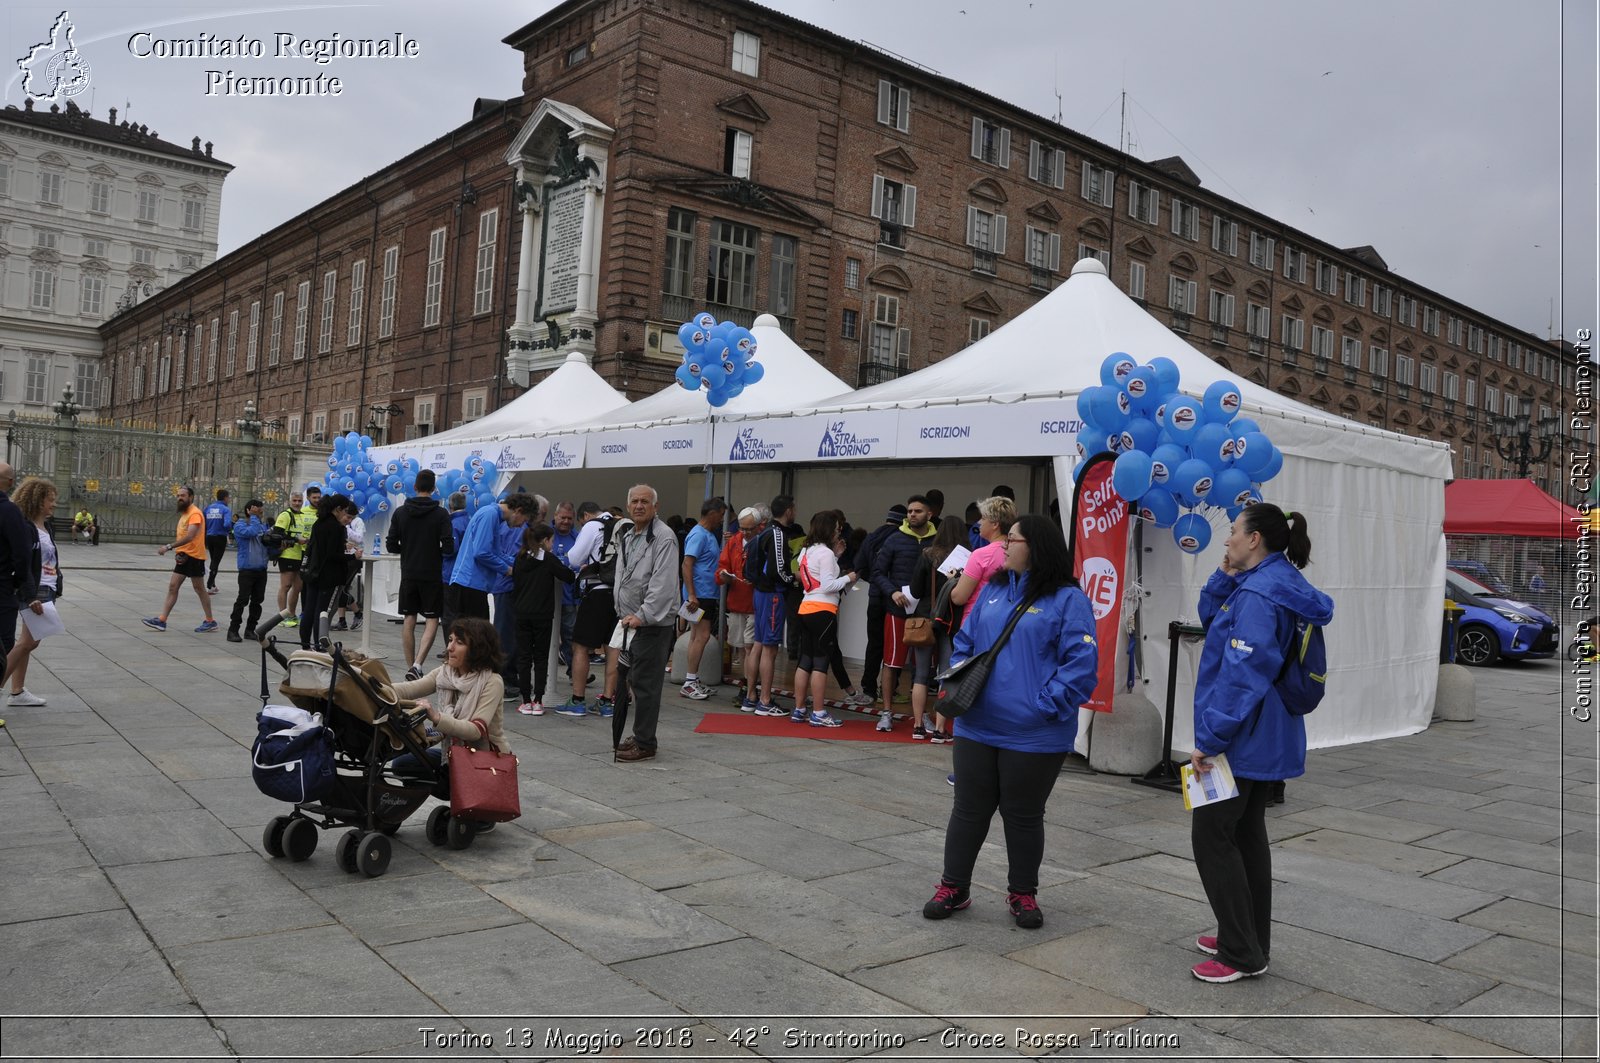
(1103, 549)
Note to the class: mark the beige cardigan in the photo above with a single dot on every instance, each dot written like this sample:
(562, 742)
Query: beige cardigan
(473, 725)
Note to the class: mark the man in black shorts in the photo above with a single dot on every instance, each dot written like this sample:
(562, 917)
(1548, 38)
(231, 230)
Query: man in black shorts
(188, 543)
(420, 533)
(595, 563)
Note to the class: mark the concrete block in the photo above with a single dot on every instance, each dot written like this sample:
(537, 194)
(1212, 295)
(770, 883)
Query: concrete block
(1457, 696)
(710, 661)
(1126, 740)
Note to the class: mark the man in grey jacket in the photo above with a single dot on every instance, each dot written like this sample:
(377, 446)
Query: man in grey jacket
(647, 598)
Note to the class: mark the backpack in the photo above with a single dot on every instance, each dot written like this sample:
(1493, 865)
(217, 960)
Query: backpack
(604, 568)
(275, 539)
(947, 614)
(1304, 678)
(808, 582)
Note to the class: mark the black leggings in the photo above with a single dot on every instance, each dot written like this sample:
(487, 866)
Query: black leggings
(533, 655)
(1018, 785)
(819, 640)
(1234, 859)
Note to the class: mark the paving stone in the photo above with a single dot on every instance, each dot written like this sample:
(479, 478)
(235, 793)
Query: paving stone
(1513, 1017)
(183, 1032)
(32, 819)
(1365, 824)
(235, 802)
(1545, 858)
(413, 907)
(1104, 901)
(87, 964)
(1162, 871)
(790, 850)
(1538, 922)
(111, 795)
(832, 817)
(48, 881)
(926, 848)
(1393, 929)
(1132, 967)
(1521, 883)
(1378, 977)
(1320, 1032)
(689, 810)
(1466, 819)
(181, 902)
(1171, 838)
(609, 916)
(1425, 895)
(111, 758)
(1385, 855)
(1531, 965)
(661, 859)
(147, 837)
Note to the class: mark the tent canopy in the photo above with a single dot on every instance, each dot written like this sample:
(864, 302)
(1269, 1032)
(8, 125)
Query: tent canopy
(1506, 507)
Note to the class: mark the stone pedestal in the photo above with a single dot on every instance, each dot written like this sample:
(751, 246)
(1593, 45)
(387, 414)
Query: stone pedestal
(1127, 740)
(1457, 697)
(710, 661)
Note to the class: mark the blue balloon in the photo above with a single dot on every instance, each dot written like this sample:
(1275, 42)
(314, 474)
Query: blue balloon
(1115, 369)
(1143, 394)
(705, 321)
(1088, 405)
(1159, 416)
(1252, 451)
(1091, 441)
(366, 442)
(1273, 467)
(333, 461)
(1130, 474)
(686, 379)
(382, 506)
(1158, 507)
(1191, 533)
(1213, 445)
(1232, 488)
(348, 485)
(1140, 434)
(691, 336)
(753, 372)
(1191, 481)
(1166, 371)
(712, 376)
(490, 471)
(733, 390)
(1242, 425)
(1183, 419)
(717, 397)
(1165, 458)
(1223, 401)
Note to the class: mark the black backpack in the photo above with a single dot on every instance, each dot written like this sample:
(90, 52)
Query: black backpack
(760, 567)
(275, 539)
(604, 569)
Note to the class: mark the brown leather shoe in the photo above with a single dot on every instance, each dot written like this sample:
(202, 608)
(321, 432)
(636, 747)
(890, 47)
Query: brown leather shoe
(626, 743)
(633, 753)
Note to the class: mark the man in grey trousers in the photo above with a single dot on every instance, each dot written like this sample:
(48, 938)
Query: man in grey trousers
(647, 597)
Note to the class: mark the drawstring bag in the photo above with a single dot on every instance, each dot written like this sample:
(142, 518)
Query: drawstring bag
(292, 758)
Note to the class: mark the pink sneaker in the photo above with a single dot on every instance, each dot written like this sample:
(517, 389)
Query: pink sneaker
(531, 708)
(1217, 971)
(1206, 944)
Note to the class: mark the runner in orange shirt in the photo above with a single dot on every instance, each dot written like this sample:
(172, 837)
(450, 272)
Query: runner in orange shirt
(190, 546)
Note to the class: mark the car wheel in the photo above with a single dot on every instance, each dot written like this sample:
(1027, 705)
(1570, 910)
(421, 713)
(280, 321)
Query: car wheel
(1477, 645)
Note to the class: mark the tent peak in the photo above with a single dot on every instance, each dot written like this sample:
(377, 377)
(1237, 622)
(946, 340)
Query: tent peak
(1089, 265)
(766, 321)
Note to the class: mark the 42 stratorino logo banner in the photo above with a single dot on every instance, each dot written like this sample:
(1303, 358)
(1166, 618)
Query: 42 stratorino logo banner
(867, 435)
(1047, 426)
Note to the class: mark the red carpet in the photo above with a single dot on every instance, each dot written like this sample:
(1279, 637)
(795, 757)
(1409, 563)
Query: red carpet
(856, 727)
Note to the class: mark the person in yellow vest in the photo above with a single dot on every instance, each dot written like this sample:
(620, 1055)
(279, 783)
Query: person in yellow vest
(83, 523)
(295, 522)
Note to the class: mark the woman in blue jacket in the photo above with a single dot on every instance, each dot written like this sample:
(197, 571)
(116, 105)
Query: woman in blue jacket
(1009, 747)
(1248, 609)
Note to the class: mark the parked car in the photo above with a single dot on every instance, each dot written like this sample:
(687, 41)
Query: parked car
(1481, 573)
(1495, 627)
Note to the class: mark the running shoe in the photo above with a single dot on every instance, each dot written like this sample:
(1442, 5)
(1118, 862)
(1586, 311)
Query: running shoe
(918, 733)
(946, 901)
(531, 708)
(770, 710)
(1025, 910)
(696, 690)
(860, 700)
(885, 721)
(154, 622)
(799, 714)
(822, 718)
(573, 708)
(605, 707)
(205, 627)
(747, 705)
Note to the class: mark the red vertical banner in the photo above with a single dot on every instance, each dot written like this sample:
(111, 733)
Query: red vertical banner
(1102, 554)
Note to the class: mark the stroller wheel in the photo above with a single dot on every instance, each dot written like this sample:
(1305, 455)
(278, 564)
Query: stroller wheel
(439, 825)
(461, 833)
(372, 854)
(345, 853)
(299, 839)
(272, 837)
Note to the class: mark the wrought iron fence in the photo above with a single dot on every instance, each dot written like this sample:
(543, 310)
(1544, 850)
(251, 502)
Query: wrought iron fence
(128, 473)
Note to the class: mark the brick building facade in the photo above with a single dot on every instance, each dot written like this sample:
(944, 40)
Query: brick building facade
(735, 159)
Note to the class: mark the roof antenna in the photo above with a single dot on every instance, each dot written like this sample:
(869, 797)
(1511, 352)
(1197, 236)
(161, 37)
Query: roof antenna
(1058, 89)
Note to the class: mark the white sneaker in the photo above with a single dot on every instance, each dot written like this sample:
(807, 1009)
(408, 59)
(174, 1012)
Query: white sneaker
(860, 700)
(696, 690)
(531, 708)
(24, 700)
(885, 721)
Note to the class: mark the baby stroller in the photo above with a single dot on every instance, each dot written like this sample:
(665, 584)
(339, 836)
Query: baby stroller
(366, 726)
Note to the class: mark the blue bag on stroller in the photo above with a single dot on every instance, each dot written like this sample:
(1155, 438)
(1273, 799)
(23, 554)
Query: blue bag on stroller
(292, 758)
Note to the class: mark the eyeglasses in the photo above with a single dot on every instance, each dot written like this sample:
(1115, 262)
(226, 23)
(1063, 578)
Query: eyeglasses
(1016, 539)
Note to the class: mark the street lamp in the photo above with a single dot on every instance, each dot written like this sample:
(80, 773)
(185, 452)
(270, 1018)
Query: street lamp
(1523, 441)
(67, 409)
(377, 429)
(249, 425)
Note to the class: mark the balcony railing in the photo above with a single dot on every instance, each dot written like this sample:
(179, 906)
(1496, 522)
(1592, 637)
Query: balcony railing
(1041, 278)
(1219, 335)
(1320, 366)
(1180, 322)
(683, 307)
(891, 235)
(982, 261)
(1291, 356)
(1258, 345)
(1426, 398)
(1350, 374)
(1379, 384)
(869, 373)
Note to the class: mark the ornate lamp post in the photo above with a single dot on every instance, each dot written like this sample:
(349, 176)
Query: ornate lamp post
(379, 431)
(1523, 441)
(66, 449)
(250, 428)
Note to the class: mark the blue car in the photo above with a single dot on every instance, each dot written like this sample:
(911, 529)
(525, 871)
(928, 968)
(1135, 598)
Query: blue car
(1494, 627)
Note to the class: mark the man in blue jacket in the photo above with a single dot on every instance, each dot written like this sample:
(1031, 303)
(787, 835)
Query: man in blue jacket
(247, 533)
(219, 519)
(481, 557)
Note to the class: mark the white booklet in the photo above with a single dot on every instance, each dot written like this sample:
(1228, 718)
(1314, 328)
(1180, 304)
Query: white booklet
(1208, 787)
(956, 561)
(43, 624)
(691, 615)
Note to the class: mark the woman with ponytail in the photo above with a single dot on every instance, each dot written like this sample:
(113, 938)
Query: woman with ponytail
(1249, 608)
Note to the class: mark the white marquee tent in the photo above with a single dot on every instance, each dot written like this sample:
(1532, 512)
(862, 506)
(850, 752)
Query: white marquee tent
(1374, 499)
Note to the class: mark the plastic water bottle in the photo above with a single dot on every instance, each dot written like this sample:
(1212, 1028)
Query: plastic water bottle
(377, 544)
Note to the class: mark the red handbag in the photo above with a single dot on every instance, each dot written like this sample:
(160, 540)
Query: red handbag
(483, 784)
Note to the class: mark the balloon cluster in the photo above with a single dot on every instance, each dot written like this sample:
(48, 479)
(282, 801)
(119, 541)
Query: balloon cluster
(1174, 451)
(719, 356)
(354, 472)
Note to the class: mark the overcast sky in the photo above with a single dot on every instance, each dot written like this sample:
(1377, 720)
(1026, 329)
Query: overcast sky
(1455, 136)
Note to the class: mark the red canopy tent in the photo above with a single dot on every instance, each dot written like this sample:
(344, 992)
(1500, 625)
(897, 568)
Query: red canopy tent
(1506, 507)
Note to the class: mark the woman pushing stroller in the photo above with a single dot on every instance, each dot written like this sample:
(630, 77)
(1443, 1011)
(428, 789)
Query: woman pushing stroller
(472, 695)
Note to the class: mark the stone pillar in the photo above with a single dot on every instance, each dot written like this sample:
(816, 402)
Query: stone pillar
(584, 317)
(520, 336)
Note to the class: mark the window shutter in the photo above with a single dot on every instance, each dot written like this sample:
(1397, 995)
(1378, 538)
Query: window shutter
(903, 340)
(972, 224)
(1055, 252)
(1033, 160)
(1005, 149)
(1191, 289)
(910, 218)
(999, 240)
(1060, 171)
(877, 196)
(884, 89)
(1088, 168)
(977, 138)
(903, 116)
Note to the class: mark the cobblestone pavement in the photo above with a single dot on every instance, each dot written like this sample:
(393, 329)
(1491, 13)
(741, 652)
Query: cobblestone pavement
(748, 897)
